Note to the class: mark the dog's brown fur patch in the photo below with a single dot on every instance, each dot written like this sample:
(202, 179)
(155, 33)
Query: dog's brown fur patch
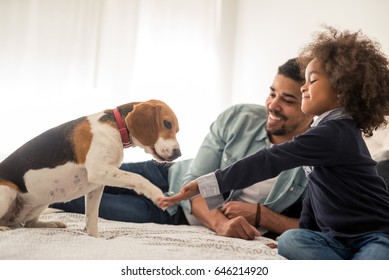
(82, 139)
(9, 184)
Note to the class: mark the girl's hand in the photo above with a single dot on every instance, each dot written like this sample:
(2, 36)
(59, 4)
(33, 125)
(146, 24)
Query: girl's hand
(188, 191)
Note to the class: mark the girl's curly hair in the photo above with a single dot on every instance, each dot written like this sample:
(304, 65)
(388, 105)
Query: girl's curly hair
(358, 70)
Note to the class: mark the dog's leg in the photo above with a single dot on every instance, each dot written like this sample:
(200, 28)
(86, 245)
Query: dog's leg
(7, 197)
(144, 187)
(36, 223)
(92, 203)
(113, 176)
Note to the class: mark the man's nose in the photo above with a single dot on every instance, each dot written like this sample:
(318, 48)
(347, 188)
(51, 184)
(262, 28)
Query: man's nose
(275, 104)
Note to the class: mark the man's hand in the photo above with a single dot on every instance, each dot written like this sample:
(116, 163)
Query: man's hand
(235, 209)
(237, 227)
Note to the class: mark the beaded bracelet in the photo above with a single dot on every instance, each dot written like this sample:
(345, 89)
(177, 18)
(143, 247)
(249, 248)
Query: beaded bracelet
(258, 215)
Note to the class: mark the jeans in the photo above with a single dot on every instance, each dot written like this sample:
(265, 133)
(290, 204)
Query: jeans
(303, 244)
(126, 205)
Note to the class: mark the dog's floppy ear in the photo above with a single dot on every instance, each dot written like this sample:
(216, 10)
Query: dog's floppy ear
(142, 123)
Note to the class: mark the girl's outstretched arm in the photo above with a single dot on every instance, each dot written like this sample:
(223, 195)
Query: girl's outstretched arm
(188, 191)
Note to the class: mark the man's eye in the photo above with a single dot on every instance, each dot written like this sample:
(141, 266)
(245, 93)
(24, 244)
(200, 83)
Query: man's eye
(167, 124)
(289, 101)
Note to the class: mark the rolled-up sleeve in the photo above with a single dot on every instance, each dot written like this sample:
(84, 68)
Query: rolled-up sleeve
(209, 190)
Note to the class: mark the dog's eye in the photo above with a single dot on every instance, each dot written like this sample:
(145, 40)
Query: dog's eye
(167, 124)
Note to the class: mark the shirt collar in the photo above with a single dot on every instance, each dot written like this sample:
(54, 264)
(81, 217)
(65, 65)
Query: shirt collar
(262, 134)
(334, 114)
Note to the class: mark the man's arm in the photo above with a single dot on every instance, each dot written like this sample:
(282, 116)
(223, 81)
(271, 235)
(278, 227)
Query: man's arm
(276, 222)
(226, 221)
(268, 219)
(215, 220)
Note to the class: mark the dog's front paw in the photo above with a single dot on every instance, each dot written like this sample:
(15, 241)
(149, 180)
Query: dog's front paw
(155, 195)
(2, 228)
(93, 233)
(152, 192)
(92, 228)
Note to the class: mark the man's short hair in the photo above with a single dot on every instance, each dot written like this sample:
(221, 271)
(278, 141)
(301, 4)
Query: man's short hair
(291, 69)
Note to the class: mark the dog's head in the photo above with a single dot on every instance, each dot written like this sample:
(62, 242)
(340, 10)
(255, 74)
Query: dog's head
(153, 127)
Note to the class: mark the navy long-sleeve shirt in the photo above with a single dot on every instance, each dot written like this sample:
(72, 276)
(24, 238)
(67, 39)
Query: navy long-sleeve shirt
(345, 195)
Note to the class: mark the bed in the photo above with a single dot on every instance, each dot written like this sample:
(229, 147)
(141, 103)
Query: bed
(120, 240)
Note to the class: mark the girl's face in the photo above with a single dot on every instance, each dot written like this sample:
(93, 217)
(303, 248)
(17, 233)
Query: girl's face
(318, 96)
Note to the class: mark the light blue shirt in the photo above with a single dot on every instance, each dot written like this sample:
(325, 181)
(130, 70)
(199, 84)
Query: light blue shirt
(237, 132)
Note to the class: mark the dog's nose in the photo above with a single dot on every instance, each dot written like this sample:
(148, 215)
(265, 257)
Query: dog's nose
(176, 153)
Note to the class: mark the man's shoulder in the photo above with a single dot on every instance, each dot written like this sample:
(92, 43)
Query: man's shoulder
(243, 122)
(245, 109)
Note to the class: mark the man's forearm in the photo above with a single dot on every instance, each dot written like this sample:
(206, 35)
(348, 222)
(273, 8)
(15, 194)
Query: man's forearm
(211, 219)
(276, 222)
(215, 219)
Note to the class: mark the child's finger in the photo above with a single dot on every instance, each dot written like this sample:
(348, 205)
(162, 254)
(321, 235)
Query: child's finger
(169, 201)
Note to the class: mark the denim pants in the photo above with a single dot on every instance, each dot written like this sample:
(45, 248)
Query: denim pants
(303, 244)
(126, 205)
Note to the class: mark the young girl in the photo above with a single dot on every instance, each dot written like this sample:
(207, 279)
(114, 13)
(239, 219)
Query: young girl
(346, 209)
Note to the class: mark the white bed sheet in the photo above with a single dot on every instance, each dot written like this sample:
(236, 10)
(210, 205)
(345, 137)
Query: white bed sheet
(120, 240)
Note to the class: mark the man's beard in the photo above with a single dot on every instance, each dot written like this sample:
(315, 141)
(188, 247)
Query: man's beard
(281, 131)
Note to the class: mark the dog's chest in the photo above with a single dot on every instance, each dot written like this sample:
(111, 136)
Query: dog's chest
(62, 183)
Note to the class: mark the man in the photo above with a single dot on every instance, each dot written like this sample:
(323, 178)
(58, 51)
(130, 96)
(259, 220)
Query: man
(272, 206)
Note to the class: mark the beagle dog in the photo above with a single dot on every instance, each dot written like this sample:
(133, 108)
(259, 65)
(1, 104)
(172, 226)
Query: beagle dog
(79, 158)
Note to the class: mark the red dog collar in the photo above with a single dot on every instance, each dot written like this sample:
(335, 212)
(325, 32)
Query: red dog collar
(122, 129)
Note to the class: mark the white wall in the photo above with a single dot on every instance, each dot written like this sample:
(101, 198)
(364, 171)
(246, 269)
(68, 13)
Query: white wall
(255, 37)
(62, 59)
(270, 32)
